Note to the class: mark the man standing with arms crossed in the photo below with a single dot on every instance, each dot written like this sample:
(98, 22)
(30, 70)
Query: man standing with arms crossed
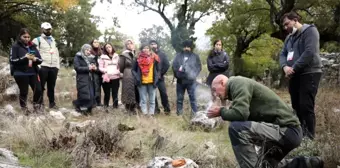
(49, 68)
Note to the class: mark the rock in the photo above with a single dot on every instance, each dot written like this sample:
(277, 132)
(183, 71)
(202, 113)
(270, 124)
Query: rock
(202, 120)
(5, 70)
(336, 110)
(74, 113)
(57, 115)
(71, 111)
(38, 120)
(13, 90)
(166, 162)
(160, 162)
(8, 160)
(188, 163)
(8, 111)
(80, 127)
(335, 65)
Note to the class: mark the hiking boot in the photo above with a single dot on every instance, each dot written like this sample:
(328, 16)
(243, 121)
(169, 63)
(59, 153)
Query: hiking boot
(315, 162)
(37, 108)
(167, 110)
(25, 111)
(53, 106)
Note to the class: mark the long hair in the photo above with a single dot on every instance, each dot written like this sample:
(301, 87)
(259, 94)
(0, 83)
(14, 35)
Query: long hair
(95, 51)
(104, 49)
(22, 32)
(212, 52)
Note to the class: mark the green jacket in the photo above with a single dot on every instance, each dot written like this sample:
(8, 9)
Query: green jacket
(252, 101)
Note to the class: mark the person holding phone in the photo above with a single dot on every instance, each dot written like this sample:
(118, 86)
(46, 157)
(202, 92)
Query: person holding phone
(25, 59)
(85, 89)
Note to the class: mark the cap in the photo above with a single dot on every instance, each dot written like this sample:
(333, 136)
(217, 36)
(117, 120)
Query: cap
(46, 25)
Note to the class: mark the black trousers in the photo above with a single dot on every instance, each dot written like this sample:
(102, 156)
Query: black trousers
(48, 75)
(164, 97)
(303, 89)
(23, 82)
(111, 88)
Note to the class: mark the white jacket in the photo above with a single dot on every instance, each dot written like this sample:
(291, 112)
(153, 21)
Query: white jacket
(49, 53)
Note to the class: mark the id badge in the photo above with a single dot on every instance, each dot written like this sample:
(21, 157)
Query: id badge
(290, 56)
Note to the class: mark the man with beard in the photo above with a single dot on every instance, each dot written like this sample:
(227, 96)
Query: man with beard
(49, 68)
(301, 63)
(186, 67)
(164, 62)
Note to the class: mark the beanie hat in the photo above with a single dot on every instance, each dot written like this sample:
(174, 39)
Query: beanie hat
(188, 43)
(153, 41)
(143, 45)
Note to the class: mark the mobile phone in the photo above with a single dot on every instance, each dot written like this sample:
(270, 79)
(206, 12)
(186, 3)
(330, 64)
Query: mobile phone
(32, 52)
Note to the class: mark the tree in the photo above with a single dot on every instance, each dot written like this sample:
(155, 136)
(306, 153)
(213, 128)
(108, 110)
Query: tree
(15, 14)
(314, 11)
(158, 33)
(116, 38)
(187, 14)
(77, 28)
(244, 22)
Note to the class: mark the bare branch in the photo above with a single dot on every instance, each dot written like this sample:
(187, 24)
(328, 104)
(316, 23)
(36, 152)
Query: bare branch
(159, 11)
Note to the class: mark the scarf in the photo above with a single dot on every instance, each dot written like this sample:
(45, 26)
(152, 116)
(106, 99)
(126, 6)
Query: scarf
(83, 48)
(144, 62)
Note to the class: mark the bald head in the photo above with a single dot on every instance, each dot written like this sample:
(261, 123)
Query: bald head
(218, 86)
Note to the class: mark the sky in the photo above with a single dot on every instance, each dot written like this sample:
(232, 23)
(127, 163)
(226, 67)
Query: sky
(133, 22)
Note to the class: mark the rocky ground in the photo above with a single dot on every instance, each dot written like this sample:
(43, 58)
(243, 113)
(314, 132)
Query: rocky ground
(65, 138)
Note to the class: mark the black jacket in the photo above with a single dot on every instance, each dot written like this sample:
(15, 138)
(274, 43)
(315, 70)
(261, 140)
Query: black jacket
(84, 82)
(190, 68)
(218, 63)
(19, 62)
(137, 73)
(164, 62)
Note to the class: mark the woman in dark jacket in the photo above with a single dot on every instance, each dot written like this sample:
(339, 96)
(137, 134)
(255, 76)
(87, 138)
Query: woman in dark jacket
(130, 96)
(146, 71)
(85, 89)
(24, 59)
(217, 62)
(97, 76)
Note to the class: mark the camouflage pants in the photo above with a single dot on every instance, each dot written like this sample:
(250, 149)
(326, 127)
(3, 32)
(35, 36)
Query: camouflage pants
(275, 143)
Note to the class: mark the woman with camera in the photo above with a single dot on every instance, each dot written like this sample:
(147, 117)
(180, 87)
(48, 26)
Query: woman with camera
(24, 59)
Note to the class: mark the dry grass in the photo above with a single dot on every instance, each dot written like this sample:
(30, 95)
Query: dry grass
(106, 146)
(328, 132)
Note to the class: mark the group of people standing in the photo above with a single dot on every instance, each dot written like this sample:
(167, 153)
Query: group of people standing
(141, 73)
(99, 67)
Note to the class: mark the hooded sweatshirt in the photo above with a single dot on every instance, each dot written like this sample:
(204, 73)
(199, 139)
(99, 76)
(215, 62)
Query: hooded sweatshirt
(301, 51)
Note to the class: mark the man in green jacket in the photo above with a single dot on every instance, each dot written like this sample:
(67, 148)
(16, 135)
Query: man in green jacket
(258, 117)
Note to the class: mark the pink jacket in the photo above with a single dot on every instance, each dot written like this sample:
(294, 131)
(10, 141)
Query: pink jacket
(109, 67)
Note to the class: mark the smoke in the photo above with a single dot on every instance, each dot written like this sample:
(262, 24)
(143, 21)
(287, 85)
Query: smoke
(203, 95)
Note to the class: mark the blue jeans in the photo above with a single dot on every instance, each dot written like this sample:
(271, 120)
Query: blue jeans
(144, 91)
(180, 91)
